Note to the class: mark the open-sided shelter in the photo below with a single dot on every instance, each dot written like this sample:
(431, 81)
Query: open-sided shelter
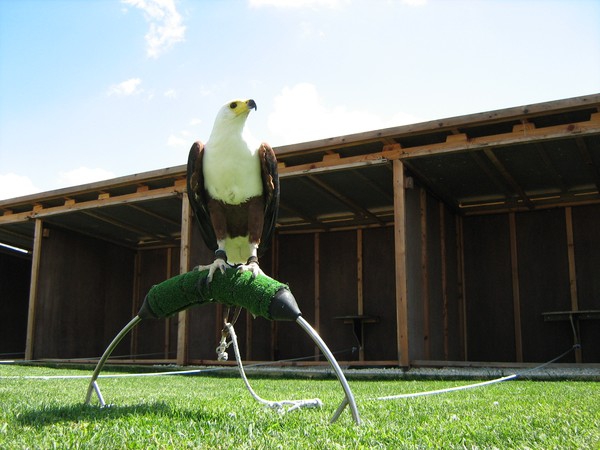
(470, 239)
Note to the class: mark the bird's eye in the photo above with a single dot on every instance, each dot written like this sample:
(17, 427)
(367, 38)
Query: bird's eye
(233, 105)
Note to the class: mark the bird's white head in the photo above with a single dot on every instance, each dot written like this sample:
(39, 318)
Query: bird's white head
(233, 115)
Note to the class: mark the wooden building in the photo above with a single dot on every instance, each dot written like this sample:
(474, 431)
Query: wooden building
(450, 240)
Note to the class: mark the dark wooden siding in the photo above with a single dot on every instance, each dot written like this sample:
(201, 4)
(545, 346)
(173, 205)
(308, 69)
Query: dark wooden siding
(543, 282)
(586, 231)
(379, 290)
(296, 266)
(15, 274)
(488, 289)
(84, 296)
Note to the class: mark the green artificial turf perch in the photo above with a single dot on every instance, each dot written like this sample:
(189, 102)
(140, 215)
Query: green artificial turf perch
(262, 296)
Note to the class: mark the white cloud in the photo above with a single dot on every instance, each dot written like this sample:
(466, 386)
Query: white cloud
(127, 87)
(300, 115)
(297, 3)
(166, 24)
(170, 93)
(180, 140)
(83, 175)
(13, 185)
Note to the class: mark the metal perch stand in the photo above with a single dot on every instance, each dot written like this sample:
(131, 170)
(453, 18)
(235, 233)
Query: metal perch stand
(261, 296)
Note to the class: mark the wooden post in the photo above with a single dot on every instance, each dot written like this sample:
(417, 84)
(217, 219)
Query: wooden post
(167, 343)
(460, 287)
(359, 284)
(514, 262)
(572, 272)
(317, 278)
(424, 274)
(184, 264)
(275, 267)
(135, 306)
(33, 288)
(444, 278)
(400, 260)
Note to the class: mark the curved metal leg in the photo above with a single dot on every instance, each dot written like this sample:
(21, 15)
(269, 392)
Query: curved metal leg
(349, 399)
(118, 338)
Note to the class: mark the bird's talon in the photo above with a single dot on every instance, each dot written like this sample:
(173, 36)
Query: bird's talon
(253, 268)
(217, 264)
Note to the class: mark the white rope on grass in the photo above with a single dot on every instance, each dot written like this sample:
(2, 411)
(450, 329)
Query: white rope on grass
(443, 391)
(475, 385)
(116, 375)
(278, 405)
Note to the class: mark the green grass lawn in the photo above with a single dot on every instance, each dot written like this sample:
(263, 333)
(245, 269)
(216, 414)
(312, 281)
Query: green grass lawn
(212, 412)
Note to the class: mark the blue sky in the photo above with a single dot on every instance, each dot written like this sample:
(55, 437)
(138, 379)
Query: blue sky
(95, 89)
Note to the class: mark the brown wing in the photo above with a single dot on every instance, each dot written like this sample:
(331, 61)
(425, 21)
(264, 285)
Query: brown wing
(197, 195)
(270, 179)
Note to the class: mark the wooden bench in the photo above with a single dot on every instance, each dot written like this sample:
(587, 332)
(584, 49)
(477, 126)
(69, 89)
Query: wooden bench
(573, 317)
(358, 328)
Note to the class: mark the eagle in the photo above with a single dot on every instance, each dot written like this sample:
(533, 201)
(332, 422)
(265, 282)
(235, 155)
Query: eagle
(233, 190)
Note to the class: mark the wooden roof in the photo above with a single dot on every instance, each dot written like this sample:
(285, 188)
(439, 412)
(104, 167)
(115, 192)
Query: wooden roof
(516, 159)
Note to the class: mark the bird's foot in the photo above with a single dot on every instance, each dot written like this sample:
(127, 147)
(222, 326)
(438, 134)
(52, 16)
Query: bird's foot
(252, 267)
(217, 264)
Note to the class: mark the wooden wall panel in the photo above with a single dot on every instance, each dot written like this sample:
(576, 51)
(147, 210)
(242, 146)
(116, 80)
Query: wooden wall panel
(586, 231)
(150, 334)
(338, 288)
(543, 282)
(379, 293)
(118, 293)
(414, 275)
(260, 330)
(453, 302)
(488, 288)
(296, 268)
(77, 276)
(205, 322)
(434, 279)
(15, 273)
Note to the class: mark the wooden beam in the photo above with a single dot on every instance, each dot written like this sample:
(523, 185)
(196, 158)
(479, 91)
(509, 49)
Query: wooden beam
(33, 289)
(366, 181)
(446, 124)
(491, 174)
(400, 265)
(586, 128)
(39, 212)
(547, 202)
(284, 204)
(358, 209)
(119, 224)
(514, 262)
(338, 163)
(184, 266)
(439, 193)
(153, 214)
(508, 177)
